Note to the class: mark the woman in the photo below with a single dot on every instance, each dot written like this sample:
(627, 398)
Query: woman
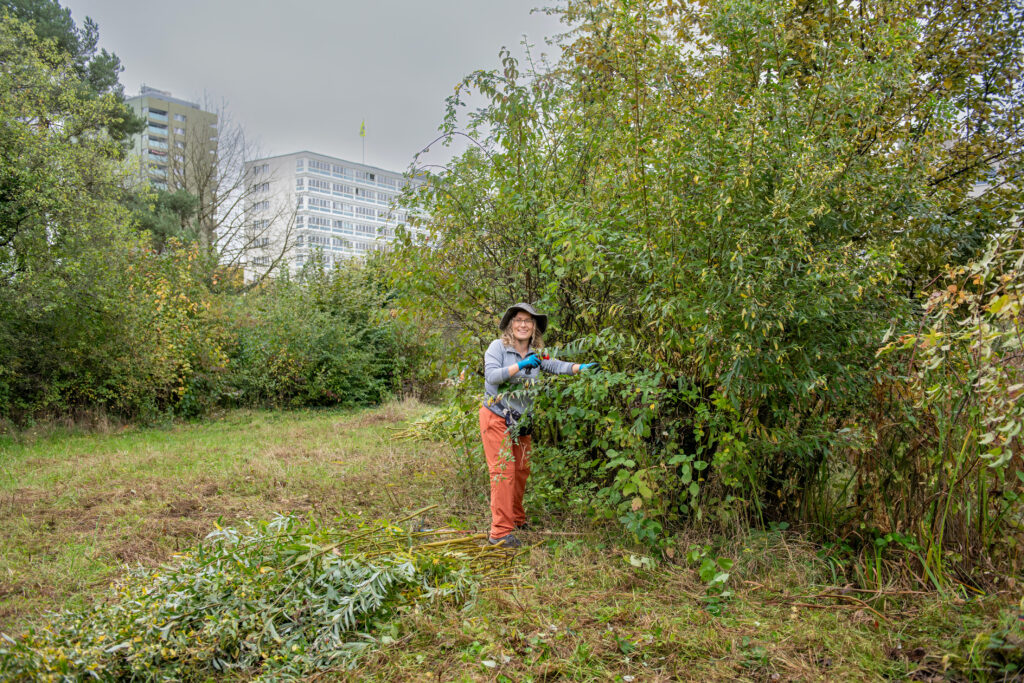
(513, 359)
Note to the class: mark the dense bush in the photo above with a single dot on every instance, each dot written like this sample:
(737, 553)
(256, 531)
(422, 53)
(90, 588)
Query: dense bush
(322, 339)
(944, 464)
(166, 345)
(728, 203)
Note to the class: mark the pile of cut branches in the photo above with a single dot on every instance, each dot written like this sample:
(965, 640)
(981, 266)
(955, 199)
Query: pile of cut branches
(277, 599)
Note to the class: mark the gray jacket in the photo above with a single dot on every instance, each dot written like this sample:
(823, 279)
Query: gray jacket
(497, 360)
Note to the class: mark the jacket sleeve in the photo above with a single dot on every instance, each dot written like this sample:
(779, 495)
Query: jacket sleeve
(556, 367)
(494, 372)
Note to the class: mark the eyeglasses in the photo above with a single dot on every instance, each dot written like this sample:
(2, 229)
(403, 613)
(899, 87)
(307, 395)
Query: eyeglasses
(522, 321)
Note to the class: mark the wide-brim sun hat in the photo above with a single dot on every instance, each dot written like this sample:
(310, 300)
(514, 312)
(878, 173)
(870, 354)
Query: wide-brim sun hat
(542, 320)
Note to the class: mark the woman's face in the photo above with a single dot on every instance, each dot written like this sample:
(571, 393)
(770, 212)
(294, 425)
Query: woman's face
(522, 326)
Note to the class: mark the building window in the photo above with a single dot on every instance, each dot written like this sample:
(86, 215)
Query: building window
(319, 166)
(299, 165)
(179, 131)
(300, 183)
(179, 117)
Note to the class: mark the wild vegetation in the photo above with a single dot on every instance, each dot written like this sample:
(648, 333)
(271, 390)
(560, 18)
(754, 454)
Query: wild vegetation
(789, 232)
(735, 206)
(97, 316)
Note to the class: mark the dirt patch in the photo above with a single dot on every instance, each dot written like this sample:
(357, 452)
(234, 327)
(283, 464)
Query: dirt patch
(184, 508)
(23, 499)
(139, 550)
(392, 413)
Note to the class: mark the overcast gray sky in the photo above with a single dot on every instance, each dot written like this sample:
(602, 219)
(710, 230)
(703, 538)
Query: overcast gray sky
(304, 75)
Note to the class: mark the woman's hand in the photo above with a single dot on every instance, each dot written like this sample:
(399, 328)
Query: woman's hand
(588, 367)
(531, 361)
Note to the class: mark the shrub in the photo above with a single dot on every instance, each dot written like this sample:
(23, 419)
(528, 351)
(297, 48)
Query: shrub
(321, 339)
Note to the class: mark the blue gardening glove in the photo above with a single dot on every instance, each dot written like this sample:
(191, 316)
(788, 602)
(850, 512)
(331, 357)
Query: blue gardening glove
(531, 361)
(591, 367)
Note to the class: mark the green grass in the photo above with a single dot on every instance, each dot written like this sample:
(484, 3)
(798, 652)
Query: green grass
(77, 509)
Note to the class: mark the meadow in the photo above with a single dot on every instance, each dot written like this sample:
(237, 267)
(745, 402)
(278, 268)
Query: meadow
(81, 507)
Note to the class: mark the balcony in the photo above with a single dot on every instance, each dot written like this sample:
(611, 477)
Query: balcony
(156, 116)
(157, 144)
(157, 130)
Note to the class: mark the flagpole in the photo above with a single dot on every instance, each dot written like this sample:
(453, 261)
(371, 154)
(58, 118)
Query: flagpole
(362, 134)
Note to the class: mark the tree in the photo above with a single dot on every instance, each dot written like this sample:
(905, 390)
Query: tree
(58, 162)
(98, 70)
(63, 244)
(165, 215)
(215, 171)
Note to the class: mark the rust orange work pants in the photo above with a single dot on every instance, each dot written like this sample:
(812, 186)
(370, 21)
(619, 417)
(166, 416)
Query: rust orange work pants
(508, 463)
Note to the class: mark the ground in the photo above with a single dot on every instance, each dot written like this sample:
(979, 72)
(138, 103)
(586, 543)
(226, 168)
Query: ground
(78, 507)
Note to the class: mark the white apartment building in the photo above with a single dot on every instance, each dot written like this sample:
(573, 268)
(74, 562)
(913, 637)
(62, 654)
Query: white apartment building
(303, 203)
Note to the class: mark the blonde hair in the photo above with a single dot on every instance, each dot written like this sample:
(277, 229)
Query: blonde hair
(536, 341)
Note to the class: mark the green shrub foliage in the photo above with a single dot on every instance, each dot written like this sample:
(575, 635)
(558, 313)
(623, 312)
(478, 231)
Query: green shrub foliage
(320, 339)
(727, 203)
